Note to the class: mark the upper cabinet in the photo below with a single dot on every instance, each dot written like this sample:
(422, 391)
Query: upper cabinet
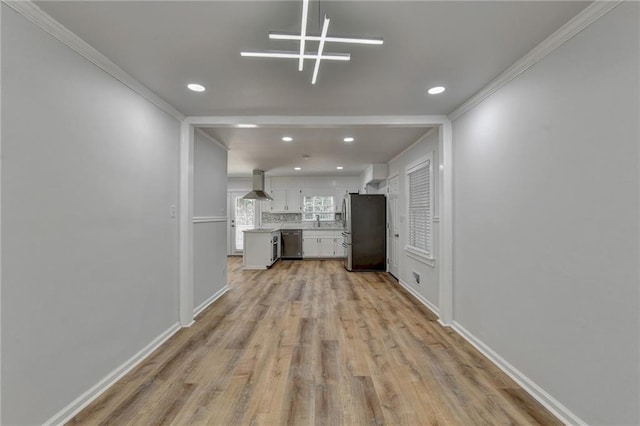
(288, 192)
(284, 201)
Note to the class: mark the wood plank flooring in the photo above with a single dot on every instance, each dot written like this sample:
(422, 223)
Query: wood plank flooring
(306, 342)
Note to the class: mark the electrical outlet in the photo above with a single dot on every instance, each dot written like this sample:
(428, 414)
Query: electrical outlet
(416, 278)
(173, 211)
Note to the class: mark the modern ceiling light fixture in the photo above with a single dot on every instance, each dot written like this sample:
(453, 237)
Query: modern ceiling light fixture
(287, 138)
(353, 40)
(301, 55)
(348, 139)
(436, 90)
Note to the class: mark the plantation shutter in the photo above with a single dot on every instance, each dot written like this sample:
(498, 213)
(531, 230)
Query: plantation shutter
(420, 220)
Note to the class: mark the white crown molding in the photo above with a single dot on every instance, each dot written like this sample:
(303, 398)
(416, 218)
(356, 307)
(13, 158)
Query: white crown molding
(33, 13)
(550, 403)
(68, 412)
(423, 137)
(319, 121)
(582, 20)
(212, 140)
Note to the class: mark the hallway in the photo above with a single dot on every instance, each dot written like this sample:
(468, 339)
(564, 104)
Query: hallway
(306, 342)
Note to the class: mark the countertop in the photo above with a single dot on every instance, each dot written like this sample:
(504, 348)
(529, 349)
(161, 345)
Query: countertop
(279, 228)
(262, 230)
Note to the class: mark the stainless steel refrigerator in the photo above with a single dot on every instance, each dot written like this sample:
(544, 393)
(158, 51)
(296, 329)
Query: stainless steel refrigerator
(365, 232)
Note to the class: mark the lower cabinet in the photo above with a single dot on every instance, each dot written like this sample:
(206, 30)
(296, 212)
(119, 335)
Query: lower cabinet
(322, 244)
(261, 249)
(310, 247)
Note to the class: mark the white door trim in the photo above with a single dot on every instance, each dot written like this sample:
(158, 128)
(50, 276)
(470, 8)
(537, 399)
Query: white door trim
(391, 226)
(186, 224)
(0, 227)
(446, 223)
(446, 191)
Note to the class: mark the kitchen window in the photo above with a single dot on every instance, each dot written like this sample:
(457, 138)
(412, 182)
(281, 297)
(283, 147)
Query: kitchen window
(420, 208)
(318, 206)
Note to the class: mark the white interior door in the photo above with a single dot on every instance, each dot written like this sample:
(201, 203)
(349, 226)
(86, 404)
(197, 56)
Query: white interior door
(243, 217)
(393, 229)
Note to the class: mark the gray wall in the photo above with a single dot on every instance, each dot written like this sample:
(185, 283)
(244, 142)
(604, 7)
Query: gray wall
(429, 287)
(90, 255)
(546, 221)
(210, 200)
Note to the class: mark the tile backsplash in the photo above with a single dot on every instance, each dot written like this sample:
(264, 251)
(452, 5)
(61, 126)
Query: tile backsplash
(276, 218)
(281, 217)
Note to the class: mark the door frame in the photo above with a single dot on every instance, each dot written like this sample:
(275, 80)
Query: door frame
(390, 227)
(231, 208)
(442, 122)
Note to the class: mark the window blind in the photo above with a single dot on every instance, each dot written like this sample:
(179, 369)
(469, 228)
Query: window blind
(420, 208)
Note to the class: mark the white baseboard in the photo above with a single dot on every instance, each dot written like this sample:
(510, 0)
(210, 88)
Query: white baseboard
(204, 305)
(67, 413)
(433, 308)
(550, 403)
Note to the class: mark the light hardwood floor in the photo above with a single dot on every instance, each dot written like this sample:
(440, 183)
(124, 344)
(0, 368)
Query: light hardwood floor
(306, 342)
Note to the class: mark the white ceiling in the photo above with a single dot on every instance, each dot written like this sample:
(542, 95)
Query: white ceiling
(459, 44)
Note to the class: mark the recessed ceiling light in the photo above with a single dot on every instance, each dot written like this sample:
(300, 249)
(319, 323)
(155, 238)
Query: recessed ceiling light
(436, 90)
(349, 139)
(246, 126)
(196, 87)
(297, 168)
(339, 167)
(305, 156)
(287, 138)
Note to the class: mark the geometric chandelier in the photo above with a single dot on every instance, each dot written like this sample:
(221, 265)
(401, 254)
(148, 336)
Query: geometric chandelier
(320, 55)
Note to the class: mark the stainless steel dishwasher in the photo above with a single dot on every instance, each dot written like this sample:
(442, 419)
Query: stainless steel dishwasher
(291, 240)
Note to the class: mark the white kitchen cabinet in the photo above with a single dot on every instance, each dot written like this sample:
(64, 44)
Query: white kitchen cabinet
(294, 201)
(261, 249)
(310, 247)
(284, 201)
(326, 246)
(322, 244)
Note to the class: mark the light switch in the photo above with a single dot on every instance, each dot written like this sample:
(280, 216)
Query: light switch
(173, 211)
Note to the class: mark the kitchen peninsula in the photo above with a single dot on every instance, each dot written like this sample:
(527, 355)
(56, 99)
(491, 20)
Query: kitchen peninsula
(262, 246)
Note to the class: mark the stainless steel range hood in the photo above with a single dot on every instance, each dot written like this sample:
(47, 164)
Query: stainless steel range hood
(258, 188)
